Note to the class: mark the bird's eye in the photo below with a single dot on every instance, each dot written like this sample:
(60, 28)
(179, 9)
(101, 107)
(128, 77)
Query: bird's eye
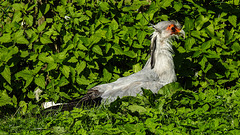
(173, 29)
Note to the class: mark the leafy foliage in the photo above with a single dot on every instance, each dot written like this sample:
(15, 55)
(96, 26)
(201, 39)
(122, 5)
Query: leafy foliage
(65, 47)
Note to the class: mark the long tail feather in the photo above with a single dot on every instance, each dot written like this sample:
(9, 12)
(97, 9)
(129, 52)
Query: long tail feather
(92, 98)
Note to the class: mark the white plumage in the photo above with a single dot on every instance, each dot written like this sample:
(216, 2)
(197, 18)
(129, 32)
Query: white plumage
(157, 72)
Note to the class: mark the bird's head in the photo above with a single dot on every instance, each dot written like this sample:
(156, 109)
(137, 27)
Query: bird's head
(164, 31)
(169, 29)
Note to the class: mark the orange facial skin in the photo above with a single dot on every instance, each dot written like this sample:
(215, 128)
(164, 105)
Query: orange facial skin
(174, 29)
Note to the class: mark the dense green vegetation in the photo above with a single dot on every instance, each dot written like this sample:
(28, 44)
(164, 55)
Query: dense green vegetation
(65, 47)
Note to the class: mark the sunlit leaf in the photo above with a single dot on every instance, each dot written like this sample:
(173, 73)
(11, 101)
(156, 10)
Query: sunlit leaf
(40, 81)
(97, 49)
(80, 67)
(137, 108)
(5, 99)
(6, 74)
(233, 20)
(65, 70)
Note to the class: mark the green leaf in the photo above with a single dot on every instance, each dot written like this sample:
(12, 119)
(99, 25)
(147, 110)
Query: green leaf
(103, 20)
(177, 6)
(107, 47)
(189, 24)
(210, 29)
(67, 37)
(97, 49)
(82, 80)
(189, 43)
(205, 107)
(170, 88)
(203, 62)
(117, 49)
(181, 49)
(81, 46)
(40, 81)
(80, 67)
(6, 74)
(42, 26)
(22, 40)
(73, 60)
(51, 66)
(62, 82)
(5, 99)
(233, 20)
(114, 24)
(45, 8)
(141, 36)
(63, 94)
(200, 21)
(109, 34)
(64, 2)
(106, 75)
(206, 45)
(45, 59)
(17, 6)
(26, 75)
(23, 106)
(65, 70)
(130, 54)
(17, 17)
(45, 39)
(236, 47)
(137, 108)
(196, 34)
(137, 67)
(104, 6)
(236, 2)
(24, 54)
(5, 38)
(166, 3)
(29, 20)
(81, 2)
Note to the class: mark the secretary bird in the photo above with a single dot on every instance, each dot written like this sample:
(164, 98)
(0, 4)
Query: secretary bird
(157, 72)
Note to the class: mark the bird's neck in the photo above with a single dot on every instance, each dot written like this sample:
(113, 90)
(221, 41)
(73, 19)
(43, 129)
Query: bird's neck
(164, 65)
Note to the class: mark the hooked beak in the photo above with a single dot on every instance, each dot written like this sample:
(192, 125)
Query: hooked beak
(182, 33)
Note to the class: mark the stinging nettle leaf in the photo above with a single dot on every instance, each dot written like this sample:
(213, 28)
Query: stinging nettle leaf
(189, 43)
(17, 16)
(65, 70)
(45, 39)
(104, 6)
(106, 75)
(5, 38)
(189, 24)
(40, 81)
(233, 20)
(22, 40)
(166, 3)
(200, 21)
(6, 74)
(17, 6)
(5, 99)
(82, 80)
(177, 6)
(137, 108)
(80, 67)
(97, 49)
(236, 46)
(141, 36)
(114, 24)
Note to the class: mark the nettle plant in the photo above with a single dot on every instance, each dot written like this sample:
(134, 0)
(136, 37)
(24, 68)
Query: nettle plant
(65, 47)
